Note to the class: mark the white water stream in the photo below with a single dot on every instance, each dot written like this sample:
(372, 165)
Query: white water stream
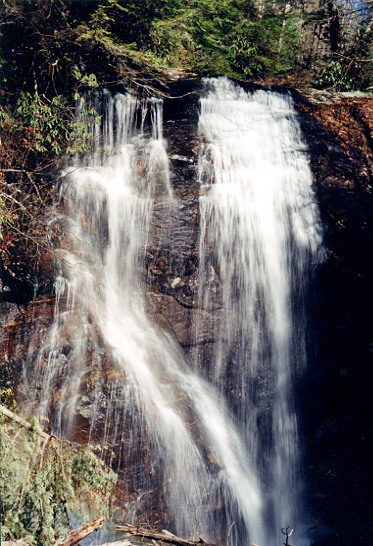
(218, 472)
(260, 234)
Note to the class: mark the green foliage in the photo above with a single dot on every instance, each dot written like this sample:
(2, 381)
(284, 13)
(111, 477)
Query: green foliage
(7, 397)
(241, 38)
(341, 76)
(196, 35)
(227, 37)
(243, 57)
(88, 80)
(49, 124)
(40, 479)
(129, 21)
(173, 44)
(277, 42)
(290, 50)
(101, 19)
(335, 77)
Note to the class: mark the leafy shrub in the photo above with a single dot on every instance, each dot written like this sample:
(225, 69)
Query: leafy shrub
(335, 77)
(7, 397)
(243, 57)
(49, 124)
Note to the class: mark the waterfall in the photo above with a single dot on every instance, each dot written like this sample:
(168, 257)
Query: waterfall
(197, 457)
(212, 442)
(260, 235)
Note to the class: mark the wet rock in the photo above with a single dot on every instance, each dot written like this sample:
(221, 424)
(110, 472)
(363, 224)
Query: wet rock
(180, 321)
(338, 384)
(320, 97)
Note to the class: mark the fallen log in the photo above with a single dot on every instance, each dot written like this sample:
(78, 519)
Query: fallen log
(164, 536)
(118, 543)
(83, 531)
(19, 542)
(4, 410)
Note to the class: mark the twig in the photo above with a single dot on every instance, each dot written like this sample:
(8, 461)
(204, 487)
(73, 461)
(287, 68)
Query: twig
(29, 176)
(230, 529)
(286, 532)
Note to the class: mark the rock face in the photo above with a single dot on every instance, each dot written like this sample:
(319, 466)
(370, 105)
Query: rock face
(336, 391)
(18, 326)
(334, 394)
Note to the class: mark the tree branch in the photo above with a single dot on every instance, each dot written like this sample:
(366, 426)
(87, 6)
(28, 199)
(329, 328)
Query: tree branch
(24, 423)
(83, 531)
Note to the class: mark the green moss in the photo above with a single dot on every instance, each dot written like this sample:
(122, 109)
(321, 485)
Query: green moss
(40, 479)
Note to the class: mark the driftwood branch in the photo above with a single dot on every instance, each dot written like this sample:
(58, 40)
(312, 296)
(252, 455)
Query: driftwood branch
(23, 422)
(164, 536)
(83, 531)
(20, 542)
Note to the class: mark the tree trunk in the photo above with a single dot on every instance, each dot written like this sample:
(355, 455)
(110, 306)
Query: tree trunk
(334, 26)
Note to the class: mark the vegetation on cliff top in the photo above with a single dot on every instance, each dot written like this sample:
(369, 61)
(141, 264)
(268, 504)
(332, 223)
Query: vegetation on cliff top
(325, 41)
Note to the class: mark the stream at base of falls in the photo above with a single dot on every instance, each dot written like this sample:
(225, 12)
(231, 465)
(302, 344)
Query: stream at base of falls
(212, 434)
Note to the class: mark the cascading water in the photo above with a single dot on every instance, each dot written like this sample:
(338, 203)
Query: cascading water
(260, 233)
(218, 442)
(155, 401)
